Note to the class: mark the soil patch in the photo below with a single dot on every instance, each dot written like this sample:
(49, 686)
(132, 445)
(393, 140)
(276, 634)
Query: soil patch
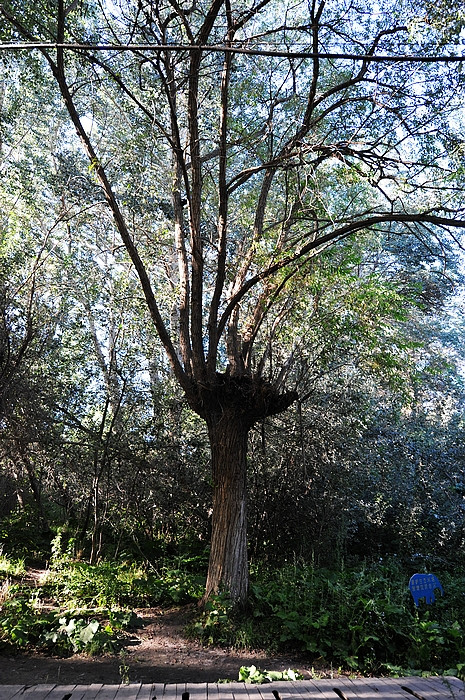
(156, 653)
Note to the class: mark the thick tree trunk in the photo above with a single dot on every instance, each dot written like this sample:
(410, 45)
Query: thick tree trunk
(230, 406)
(228, 566)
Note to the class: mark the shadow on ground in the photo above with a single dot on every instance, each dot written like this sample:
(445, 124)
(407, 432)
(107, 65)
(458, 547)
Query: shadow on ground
(157, 653)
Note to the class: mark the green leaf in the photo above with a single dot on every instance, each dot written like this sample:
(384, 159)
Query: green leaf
(88, 633)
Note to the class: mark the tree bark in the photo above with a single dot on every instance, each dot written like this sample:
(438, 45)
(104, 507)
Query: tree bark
(230, 406)
(228, 565)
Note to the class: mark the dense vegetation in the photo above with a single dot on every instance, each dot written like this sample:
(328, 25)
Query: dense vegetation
(239, 285)
(359, 618)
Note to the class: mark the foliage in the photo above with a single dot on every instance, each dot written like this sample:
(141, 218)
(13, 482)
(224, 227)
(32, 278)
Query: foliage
(28, 621)
(217, 625)
(362, 469)
(20, 535)
(24, 625)
(109, 584)
(252, 674)
(359, 618)
(91, 616)
(267, 256)
(11, 567)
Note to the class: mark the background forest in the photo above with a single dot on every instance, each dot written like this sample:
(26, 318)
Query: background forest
(105, 457)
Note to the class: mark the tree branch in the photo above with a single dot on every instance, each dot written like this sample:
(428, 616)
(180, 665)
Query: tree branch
(312, 248)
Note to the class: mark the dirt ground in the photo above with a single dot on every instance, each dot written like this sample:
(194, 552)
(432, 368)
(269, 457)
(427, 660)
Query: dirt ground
(156, 653)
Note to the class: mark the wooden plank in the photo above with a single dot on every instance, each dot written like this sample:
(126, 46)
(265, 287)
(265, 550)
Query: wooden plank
(306, 689)
(180, 689)
(60, 691)
(222, 691)
(451, 686)
(170, 692)
(385, 689)
(455, 682)
(371, 688)
(431, 688)
(197, 691)
(264, 692)
(253, 690)
(213, 690)
(10, 691)
(440, 684)
(37, 692)
(146, 692)
(420, 688)
(127, 691)
(158, 690)
(389, 689)
(295, 689)
(91, 691)
(327, 687)
(317, 689)
(238, 691)
(107, 692)
(356, 689)
(79, 692)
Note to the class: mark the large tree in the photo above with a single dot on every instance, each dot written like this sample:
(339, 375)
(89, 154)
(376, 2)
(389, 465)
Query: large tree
(232, 147)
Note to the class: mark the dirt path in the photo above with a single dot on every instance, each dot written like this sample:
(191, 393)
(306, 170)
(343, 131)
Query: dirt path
(157, 653)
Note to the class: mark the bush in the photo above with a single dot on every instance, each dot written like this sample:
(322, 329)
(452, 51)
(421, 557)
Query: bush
(11, 567)
(121, 583)
(360, 618)
(92, 602)
(111, 584)
(24, 623)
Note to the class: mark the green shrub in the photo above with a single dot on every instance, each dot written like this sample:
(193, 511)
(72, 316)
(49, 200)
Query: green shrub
(218, 624)
(78, 634)
(119, 584)
(252, 674)
(11, 567)
(22, 624)
(360, 618)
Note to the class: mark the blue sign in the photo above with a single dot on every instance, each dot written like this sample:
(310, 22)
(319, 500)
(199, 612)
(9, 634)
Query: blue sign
(423, 586)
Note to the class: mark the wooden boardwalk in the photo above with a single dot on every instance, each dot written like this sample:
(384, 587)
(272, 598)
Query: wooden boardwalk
(413, 688)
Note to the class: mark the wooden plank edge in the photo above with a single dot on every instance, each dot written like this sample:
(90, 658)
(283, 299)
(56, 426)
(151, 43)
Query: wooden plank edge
(7, 692)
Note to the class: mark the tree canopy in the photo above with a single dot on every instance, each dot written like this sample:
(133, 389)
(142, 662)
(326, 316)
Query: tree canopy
(270, 206)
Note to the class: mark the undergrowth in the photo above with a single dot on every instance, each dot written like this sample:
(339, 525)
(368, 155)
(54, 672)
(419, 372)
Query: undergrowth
(362, 619)
(121, 583)
(24, 624)
(78, 607)
(11, 567)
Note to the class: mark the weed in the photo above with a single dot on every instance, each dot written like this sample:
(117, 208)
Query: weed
(65, 631)
(252, 674)
(123, 668)
(362, 619)
(116, 584)
(11, 567)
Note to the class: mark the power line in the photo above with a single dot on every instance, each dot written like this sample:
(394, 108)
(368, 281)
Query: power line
(368, 58)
